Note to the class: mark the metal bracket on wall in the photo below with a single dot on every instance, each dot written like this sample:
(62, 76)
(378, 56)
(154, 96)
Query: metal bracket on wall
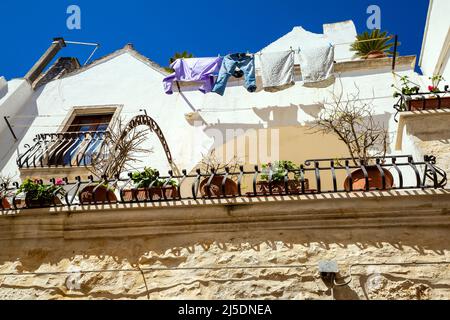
(10, 128)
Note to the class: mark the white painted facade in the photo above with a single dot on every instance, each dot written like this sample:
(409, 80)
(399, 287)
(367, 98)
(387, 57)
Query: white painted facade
(126, 78)
(435, 54)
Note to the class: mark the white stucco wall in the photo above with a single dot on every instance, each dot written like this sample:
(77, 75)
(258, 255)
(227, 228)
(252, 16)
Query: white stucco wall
(128, 81)
(437, 31)
(3, 86)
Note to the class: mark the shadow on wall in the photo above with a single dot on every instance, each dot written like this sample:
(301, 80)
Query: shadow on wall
(174, 250)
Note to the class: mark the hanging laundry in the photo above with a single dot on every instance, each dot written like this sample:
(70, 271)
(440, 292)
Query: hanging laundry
(245, 62)
(316, 61)
(277, 70)
(196, 70)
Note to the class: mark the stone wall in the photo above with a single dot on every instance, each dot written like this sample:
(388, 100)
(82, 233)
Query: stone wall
(403, 258)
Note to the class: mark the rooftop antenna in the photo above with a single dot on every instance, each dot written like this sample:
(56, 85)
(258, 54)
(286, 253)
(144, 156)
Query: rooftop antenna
(96, 45)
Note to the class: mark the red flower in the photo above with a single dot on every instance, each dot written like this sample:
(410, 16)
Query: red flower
(59, 182)
(431, 88)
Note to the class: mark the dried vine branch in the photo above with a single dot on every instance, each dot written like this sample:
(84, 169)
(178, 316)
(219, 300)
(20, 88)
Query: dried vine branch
(352, 121)
(118, 151)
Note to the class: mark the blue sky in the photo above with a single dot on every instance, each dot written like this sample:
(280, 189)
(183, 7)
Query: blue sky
(206, 28)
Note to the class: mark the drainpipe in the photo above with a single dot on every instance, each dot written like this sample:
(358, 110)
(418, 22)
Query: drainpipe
(56, 46)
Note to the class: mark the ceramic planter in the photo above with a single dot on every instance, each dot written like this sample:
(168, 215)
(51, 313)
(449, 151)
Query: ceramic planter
(102, 195)
(150, 194)
(375, 180)
(279, 187)
(429, 103)
(5, 204)
(216, 187)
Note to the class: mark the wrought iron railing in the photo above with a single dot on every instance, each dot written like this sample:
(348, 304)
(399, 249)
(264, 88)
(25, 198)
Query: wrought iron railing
(71, 149)
(313, 177)
(419, 101)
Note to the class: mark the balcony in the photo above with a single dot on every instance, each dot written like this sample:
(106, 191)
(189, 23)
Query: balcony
(68, 149)
(315, 177)
(421, 102)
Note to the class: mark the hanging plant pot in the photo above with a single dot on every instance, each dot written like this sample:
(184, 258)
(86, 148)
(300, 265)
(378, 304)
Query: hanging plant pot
(429, 103)
(216, 187)
(150, 194)
(376, 55)
(102, 195)
(375, 180)
(5, 204)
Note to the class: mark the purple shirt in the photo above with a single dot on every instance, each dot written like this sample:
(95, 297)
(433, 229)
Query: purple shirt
(194, 69)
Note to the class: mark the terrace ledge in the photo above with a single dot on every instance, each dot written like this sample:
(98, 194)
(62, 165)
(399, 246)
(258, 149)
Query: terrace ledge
(355, 210)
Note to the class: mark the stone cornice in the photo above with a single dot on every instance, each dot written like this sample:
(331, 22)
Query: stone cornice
(413, 208)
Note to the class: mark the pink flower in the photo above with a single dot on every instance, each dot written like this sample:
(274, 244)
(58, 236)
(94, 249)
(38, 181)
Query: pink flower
(59, 182)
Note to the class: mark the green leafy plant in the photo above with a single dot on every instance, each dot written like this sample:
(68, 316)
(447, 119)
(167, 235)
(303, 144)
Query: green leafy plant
(176, 56)
(407, 87)
(374, 42)
(37, 191)
(145, 178)
(435, 80)
(279, 170)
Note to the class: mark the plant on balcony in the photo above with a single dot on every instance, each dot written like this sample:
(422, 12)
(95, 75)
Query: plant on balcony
(38, 194)
(375, 44)
(150, 187)
(120, 149)
(275, 183)
(4, 192)
(352, 121)
(211, 164)
(425, 101)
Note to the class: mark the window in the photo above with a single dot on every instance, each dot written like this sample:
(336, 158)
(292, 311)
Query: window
(81, 136)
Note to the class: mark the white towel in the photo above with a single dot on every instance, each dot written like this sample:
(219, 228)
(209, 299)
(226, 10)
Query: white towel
(277, 70)
(316, 61)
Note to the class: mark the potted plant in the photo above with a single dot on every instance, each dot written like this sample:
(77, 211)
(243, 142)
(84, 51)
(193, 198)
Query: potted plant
(150, 187)
(38, 194)
(407, 88)
(427, 101)
(273, 179)
(352, 121)
(373, 45)
(5, 193)
(118, 149)
(95, 193)
(211, 165)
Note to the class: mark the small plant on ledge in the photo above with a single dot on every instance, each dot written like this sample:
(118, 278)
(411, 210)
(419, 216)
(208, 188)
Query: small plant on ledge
(150, 187)
(277, 179)
(38, 194)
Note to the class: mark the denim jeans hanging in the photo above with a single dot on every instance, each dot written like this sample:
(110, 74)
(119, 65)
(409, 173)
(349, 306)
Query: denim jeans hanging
(230, 62)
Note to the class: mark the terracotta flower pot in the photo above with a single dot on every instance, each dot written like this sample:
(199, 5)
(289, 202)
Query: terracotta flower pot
(375, 180)
(429, 103)
(376, 55)
(102, 195)
(151, 194)
(5, 204)
(216, 187)
(278, 187)
(33, 203)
